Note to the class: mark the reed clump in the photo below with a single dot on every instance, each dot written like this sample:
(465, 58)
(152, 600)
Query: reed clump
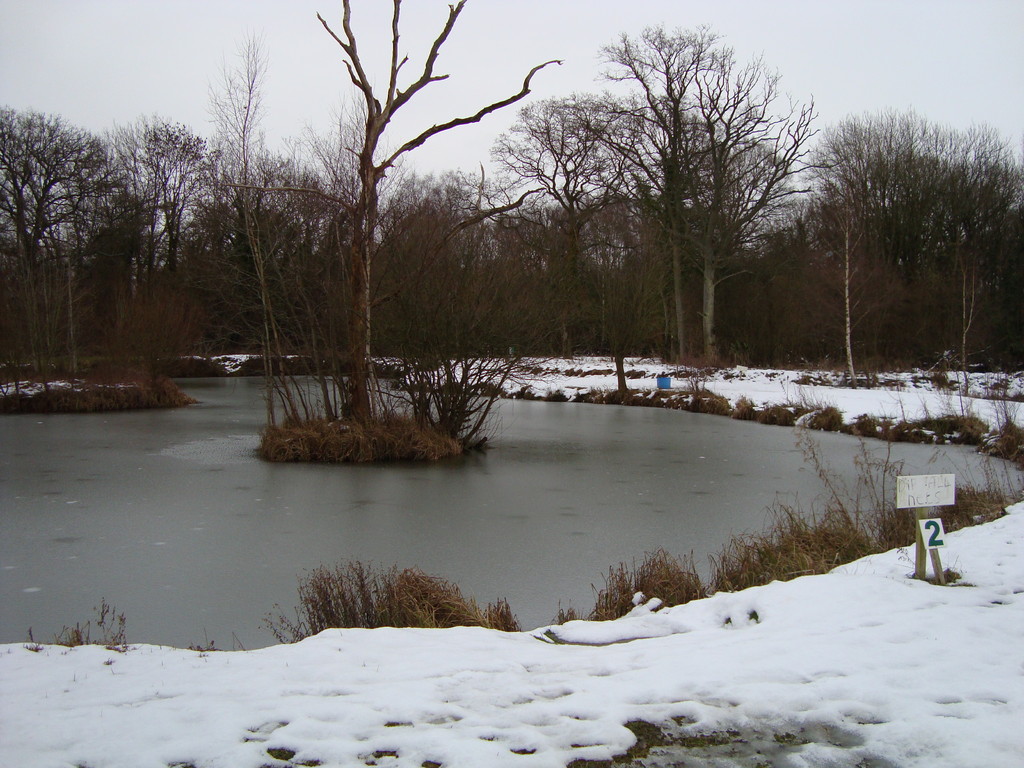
(702, 400)
(672, 580)
(322, 440)
(792, 544)
(358, 595)
(744, 410)
(827, 419)
(95, 397)
(1006, 442)
(777, 415)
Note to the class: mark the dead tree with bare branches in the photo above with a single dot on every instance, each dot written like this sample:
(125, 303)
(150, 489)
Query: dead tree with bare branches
(379, 111)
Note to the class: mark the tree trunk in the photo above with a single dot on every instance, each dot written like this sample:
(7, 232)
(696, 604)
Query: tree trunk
(360, 250)
(359, 363)
(72, 342)
(847, 311)
(967, 299)
(620, 374)
(677, 293)
(708, 315)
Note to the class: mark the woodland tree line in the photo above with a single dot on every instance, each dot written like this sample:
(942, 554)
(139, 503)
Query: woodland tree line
(692, 211)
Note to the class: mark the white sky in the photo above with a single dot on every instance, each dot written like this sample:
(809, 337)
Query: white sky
(105, 62)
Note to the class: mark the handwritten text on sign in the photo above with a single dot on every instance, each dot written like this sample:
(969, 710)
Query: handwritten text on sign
(925, 491)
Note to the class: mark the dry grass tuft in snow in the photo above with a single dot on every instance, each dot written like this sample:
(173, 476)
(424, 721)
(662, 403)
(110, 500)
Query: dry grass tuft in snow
(357, 595)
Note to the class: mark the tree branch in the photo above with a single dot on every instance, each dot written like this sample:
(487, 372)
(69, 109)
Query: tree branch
(401, 97)
(347, 205)
(354, 65)
(475, 118)
(487, 213)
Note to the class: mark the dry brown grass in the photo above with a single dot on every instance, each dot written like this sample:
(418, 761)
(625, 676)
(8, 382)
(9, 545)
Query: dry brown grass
(866, 425)
(952, 428)
(797, 544)
(672, 580)
(109, 623)
(778, 415)
(793, 544)
(694, 399)
(340, 441)
(940, 430)
(1007, 442)
(974, 505)
(828, 419)
(745, 410)
(95, 397)
(702, 400)
(356, 595)
(856, 521)
(412, 598)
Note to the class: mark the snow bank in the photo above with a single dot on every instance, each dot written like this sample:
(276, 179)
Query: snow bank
(901, 396)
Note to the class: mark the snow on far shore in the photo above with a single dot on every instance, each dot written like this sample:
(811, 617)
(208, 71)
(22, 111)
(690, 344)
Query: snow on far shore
(863, 666)
(899, 395)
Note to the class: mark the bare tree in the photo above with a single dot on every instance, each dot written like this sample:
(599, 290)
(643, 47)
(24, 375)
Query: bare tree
(840, 169)
(237, 110)
(624, 276)
(919, 204)
(716, 148)
(162, 166)
(657, 129)
(983, 183)
(751, 153)
(379, 110)
(50, 172)
(561, 146)
(453, 336)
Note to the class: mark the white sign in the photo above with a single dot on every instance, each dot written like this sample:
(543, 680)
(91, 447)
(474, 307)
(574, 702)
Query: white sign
(925, 491)
(932, 533)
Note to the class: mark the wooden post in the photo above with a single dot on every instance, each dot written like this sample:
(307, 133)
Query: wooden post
(920, 561)
(921, 566)
(937, 566)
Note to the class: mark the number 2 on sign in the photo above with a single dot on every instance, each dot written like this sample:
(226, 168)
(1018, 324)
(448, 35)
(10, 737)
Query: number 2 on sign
(933, 533)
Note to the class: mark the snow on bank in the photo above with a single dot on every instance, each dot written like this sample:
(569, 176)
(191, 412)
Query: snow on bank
(907, 395)
(864, 663)
(232, 364)
(31, 388)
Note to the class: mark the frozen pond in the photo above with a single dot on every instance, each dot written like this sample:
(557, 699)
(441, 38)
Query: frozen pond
(170, 517)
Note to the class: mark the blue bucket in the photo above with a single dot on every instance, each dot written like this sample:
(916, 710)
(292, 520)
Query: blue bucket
(664, 382)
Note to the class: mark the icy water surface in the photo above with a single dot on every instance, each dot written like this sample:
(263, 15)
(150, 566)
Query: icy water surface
(170, 517)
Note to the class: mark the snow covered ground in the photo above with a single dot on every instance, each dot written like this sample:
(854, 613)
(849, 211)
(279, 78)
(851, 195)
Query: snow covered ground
(900, 395)
(863, 666)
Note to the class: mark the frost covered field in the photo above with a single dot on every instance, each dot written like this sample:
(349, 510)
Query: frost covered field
(865, 665)
(861, 667)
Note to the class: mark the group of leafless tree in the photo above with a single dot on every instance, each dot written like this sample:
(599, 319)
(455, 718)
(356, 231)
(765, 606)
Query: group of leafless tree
(691, 211)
